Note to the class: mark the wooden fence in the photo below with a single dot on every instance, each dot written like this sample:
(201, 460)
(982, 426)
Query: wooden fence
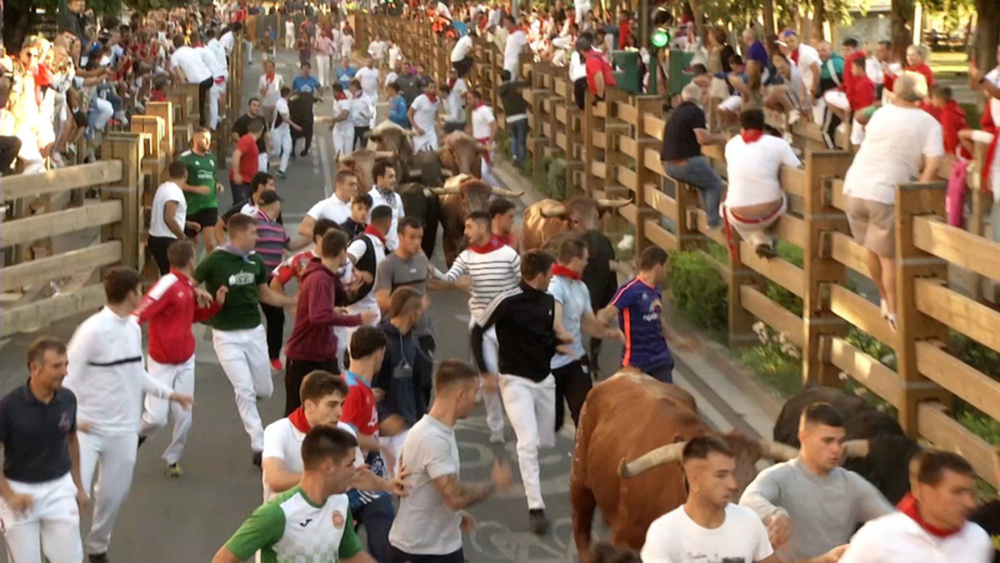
(612, 149)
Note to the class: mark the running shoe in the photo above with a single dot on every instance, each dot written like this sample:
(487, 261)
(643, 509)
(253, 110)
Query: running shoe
(174, 471)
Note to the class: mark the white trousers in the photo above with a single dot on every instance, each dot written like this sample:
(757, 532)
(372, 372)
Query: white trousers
(491, 399)
(105, 111)
(180, 378)
(837, 99)
(426, 142)
(343, 141)
(214, 95)
(51, 527)
(262, 162)
(115, 454)
(281, 144)
(243, 355)
(531, 408)
(290, 40)
(322, 69)
(755, 233)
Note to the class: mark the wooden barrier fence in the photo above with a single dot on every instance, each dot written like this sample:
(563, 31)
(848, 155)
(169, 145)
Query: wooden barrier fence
(611, 148)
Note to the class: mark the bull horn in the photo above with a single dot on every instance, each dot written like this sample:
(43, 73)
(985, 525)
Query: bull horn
(659, 456)
(856, 448)
(777, 451)
(613, 203)
(413, 173)
(506, 193)
(444, 191)
(557, 211)
(385, 154)
(346, 158)
(446, 173)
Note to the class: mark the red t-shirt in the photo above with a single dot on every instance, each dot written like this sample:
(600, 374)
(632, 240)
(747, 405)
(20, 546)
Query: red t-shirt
(624, 34)
(247, 146)
(860, 93)
(359, 407)
(596, 63)
(293, 267)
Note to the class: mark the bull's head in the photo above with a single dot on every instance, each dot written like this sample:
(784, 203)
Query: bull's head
(391, 137)
(362, 163)
(583, 213)
(475, 193)
(462, 154)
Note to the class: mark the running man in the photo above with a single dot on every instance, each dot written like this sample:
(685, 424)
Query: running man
(201, 190)
(237, 334)
(171, 307)
(313, 518)
(106, 374)
(42, 493)
(525, 325)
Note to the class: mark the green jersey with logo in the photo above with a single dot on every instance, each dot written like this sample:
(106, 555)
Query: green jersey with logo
(291, 528)
(201, 172)
(243, 276)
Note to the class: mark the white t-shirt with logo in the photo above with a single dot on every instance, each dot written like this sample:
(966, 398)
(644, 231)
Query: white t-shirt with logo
(191, 63)
(331, 208)
(754, 169)
(482, 119)
(461, 48)
(675, 538)
(896, 141)
(282, 440)
(167, 192)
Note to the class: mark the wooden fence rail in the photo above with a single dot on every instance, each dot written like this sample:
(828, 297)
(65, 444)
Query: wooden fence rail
(611, 148)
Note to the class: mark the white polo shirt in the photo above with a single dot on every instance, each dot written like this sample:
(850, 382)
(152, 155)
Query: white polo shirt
(283, 441)
(461, 48)
(754, 169)
(167, 192)
(191, 63)
(482, 118)
(896, 538)
(331, 208)
(512, 51)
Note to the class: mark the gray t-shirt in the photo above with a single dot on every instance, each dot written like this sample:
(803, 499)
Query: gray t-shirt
(824, 510)
(395, 272)
(424, 524)
(574, 297)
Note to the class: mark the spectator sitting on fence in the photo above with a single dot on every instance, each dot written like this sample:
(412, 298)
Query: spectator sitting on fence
(683, 136)
(897, 138)
(747, 88)
(755, 200)
(788, 98)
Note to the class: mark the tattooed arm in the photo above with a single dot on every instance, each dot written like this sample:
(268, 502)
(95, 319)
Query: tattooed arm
(459, 496)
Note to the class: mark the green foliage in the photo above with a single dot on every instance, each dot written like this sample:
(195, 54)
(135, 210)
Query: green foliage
(981, 357)
(699, 291)
(976, 421)
(774, 362)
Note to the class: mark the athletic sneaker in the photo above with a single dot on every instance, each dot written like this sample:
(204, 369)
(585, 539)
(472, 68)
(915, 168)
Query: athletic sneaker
(281, 174)
(99, 557)
(497, 437)
(537, 521)
(174, 470)
(258, 458)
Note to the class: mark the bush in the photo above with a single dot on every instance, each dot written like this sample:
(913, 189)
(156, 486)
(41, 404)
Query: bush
(775, 361)
(699, 291)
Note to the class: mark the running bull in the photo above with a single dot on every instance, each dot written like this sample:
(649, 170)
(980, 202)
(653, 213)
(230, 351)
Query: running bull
(546, 218)
(643, 424)
(885, 452)
(362, 163)
(460, 154)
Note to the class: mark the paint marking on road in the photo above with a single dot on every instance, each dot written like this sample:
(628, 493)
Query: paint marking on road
(324, 156)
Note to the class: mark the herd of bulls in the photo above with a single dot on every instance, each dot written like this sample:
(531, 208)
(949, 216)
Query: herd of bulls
(633, 428)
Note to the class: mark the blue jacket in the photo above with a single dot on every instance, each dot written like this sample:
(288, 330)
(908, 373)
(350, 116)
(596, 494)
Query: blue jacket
(397, 112)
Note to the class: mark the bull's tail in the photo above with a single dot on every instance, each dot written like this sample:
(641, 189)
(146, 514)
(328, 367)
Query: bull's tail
(582, 499)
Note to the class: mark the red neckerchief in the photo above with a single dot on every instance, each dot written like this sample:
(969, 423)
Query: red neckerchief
(751, 135)
(491, 245)
(298, 420)
(479, 105)
(339, 96)
(197, 45)
(433, 99)
(371, 230)
(908, 506)
(795, 56)
(560, 270)
(269, 77)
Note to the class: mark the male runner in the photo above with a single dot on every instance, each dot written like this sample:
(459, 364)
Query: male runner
(201, 190)
(237, 334)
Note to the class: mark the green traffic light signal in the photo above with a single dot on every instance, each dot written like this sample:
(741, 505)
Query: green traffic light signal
(660, 38)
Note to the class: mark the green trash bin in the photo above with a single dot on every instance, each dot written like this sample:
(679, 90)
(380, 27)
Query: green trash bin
(678, 79)
(626, 73)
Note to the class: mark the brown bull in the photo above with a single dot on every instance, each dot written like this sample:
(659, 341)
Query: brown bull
(362, 162)
(462, 154)
(546, 218)
(632, 416)
(460, 196)
(388, 136)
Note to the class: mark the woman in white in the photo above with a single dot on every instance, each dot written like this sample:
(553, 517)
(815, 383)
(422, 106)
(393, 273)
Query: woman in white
(423, 117)
(755, 200)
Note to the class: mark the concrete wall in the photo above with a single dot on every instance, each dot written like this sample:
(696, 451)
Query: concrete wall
(873, 27)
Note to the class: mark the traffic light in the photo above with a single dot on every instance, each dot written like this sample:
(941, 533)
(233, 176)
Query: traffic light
(660, 21)
(660, 37)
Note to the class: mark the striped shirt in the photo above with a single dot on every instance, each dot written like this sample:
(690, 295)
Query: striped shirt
(639, 309)
(272, 240)
(492, 273)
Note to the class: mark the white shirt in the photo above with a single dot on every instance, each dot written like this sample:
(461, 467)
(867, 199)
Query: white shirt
(106, 373)
(227, 41)
(361, 110)
(272, 89)
(356, 250)
(391, 77)
(290, 28)
(676, 538)
(283, 441)
(456, 102)
(512, 51)
(281, 109)
(754, 170)
(896, 538)
(807, 56)
(339, 107)
(482, 118)
(461, 48)
(346, 42)
(331, 208)
(395, 53)
(873, 69)
(577, 66)
(191, 63)
(211, 62)
(392, 237)
(424, 112)
(896, 140)
(994, 77)
(377, 49)
(368, 77)
(167, 192)
(442, 10)
(220, 54)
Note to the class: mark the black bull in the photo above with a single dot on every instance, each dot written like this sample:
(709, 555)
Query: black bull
(420, 203)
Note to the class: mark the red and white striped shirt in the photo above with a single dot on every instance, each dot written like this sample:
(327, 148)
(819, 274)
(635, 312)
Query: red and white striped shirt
(171, 307)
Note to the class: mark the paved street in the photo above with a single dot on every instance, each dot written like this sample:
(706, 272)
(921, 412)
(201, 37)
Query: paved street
(186, 520)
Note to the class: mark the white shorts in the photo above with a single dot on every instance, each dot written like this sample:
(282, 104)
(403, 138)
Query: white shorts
(732, 103)
(837, 99)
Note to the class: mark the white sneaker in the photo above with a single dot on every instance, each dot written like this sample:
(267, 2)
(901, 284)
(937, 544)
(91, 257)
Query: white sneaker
(883, 309)
(793, 117)
(497, 437)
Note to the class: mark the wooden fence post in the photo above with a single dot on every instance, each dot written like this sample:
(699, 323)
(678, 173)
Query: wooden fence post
(643, 175)
(820, 269)
(912, 326)
(539, 140)
(128, 149)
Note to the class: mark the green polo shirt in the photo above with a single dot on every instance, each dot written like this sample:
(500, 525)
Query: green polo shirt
(243, 277)
(201, 172)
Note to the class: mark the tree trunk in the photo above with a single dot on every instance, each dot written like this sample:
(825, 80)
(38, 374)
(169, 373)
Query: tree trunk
(768, 16)
(987, 34)
(817, 24)
(698, 11)
(901, 19)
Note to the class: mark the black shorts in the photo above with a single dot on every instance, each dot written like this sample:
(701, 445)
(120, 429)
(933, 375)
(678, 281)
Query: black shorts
(80, 118)
(462, 67)
(580, 92)
(207, 218)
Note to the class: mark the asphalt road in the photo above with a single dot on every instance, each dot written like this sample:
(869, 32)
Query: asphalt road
(186, 520)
